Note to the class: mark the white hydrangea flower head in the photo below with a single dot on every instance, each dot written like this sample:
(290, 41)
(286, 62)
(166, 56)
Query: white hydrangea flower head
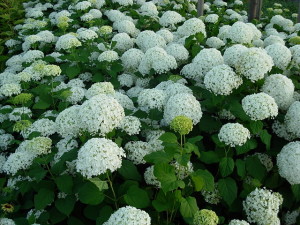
(224, 32)
(21, 160)
(222, 80)
(45, 127)
(76, 96)
(149, 177)
(262, 206)
(266, 160)
(280, 130)
(108, 56)
(280, 54)
(131, 59)
(182, 104)
(2, 161)
(124, 42)
(151, 99)
(130, 216)
(281, 88)
(131, 125)
(148, 9)
(256, 32)
(97, 14)
(115, 15)
(174, 89)
(273, 39)
(100, 88)
(134, 91)
(260, 106)
(240, 33)
(148, 39)
(292, 119)
(170, 19)
(83, 5)
(67, 42)
(136, 150)
(97, 156)
(208, 58)
(190, 27)
(17, 113)
(290, 218)
(214, 42)
(125, 26)
(158, 59)
(124, 101)
(86, 35)
(67, 122)
(234, 134)
(36, 146)
(211, 18)
(212, 197)
(233, 54)
(254, 64)
(179, 52)
(123, 2)
(192, 71)
(238, 222)
(7, 221)
(296, 55)
(32, 55)
(5, 141)
(166, 34)
(100, 114)
(126, 80)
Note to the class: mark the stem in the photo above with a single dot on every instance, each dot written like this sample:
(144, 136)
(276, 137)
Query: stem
(113, 191)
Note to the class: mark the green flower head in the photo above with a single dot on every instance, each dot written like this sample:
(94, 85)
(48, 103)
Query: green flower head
(295, 40)
(175, 78)
(205, 217)
(182, 124)
(21, 125)
(21, 98)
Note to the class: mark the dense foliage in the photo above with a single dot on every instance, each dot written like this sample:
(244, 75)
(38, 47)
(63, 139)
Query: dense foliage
(134, 112)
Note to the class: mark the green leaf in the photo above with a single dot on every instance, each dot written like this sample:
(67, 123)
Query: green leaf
(158, 157)
(237, 110)
(129, 171)
(72, 71)
(105, 213)
(241, 167)
(43, 198)
(255, 168)
(203, 179)
(100, 184)
(37, 172)
(200, 37)
(165, 173)
(249, 145)
(168, 137)
(266, 139)
(41, 105)
(89, 194)
(137, 197)
(64, 183)
(228, 189)
(256, 126)
(296, 191)
(209, 157)
(188, 207)
(194, 140)
(163, 202)
(226, 166)
(65, 205)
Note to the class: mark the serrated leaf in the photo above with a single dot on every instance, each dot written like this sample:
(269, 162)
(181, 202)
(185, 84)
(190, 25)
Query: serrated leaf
(43, 198)
(137, 197)
(241, 167)
(249, 145)
(163, 202)
(64, 183)
(158, 157)
(100, 184)
(266, 139)
(65, 205)
(226, 166)
(90, 194)
(228, 189)
(72, 71)
(255, 168)
(203, 179)
(168, 137)
(129, 171)
(188, 207)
